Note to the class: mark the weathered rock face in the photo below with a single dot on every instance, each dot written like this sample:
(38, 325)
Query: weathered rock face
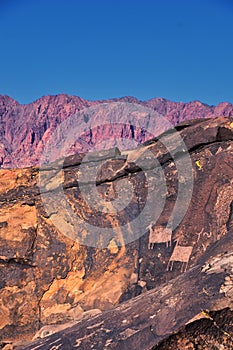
(212, 330)
(148, 319)
(25, 129)
(49, 277)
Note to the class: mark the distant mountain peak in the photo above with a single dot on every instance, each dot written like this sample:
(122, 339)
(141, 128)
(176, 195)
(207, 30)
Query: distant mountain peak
(24, 128)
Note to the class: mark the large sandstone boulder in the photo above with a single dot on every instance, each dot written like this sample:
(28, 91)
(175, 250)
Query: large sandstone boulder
(51, 275)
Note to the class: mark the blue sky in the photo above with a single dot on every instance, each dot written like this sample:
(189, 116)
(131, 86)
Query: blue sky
(96, 49)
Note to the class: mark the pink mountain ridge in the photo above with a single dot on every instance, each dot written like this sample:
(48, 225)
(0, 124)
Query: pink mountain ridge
(25, 128)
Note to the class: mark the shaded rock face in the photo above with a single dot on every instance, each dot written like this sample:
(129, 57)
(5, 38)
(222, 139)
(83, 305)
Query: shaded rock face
(25, 129)
(48, 277)
(213, 331)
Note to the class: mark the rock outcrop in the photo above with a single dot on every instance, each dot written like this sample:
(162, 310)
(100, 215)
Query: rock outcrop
(54, 272)
(25, 129)
(146, 321)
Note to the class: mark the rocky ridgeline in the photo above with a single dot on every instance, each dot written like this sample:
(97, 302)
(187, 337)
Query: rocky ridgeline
(25, 129)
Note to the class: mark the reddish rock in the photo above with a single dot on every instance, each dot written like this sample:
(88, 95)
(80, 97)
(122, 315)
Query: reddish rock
(48, 277)
(24, 129)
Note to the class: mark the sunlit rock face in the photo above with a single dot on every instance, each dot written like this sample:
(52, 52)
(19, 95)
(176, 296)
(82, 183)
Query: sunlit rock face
(61, 266)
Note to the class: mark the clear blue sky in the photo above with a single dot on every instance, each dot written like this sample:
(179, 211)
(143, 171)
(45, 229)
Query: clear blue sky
(177, 49)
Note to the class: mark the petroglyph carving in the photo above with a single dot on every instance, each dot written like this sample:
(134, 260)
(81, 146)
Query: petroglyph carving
(207, 234)
(199, 234)
(181, 254)
(159, 235)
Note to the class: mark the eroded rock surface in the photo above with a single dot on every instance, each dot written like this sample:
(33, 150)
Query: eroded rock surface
(146, 320)
(48, 277)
